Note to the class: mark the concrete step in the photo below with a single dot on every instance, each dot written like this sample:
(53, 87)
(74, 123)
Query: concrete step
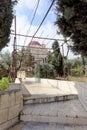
(46, 126)
(48, 99)
(68, 112)
(61, 119)
(51, 126)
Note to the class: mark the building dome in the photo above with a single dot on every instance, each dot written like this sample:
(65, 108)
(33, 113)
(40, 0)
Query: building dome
(34, 43)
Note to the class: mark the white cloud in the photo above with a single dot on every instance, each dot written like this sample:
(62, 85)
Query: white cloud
(30, 4)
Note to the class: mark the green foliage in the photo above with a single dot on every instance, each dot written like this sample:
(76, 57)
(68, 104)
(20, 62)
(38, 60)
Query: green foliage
(57, 60)
(53, 67)
(6, 16)
(27, 59)
(73, 23)
(76, 66)
(77, 71)
(44, 71)
(4, 83)
(49, 58)
(24, 59)
(5, 62)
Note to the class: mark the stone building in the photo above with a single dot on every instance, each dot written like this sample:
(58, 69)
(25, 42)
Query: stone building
(38, 51)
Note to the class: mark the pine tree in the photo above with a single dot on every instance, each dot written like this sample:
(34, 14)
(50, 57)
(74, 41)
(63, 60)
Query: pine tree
(57, 60)
(6, 16)
(72, 21)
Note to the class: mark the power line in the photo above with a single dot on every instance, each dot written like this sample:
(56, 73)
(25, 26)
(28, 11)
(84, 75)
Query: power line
(43, 19)
(44, 39)
(32, 19)
(41, 33)
(22, 35)
(53, 37)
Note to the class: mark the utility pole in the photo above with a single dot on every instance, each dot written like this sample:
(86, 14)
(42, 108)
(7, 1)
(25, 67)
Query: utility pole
(63, 60)
(14, 70)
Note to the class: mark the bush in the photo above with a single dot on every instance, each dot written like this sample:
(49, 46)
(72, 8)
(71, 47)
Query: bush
(78, 71)
(44, 71)
(4, 83)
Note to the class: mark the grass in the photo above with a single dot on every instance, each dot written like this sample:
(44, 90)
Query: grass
(78, 79)
(4, 83)
(74, 78)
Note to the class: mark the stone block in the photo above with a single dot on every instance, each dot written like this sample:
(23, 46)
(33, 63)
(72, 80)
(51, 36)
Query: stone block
(18, 96)
(13, 86)
(6, 125)
(15, 120)
(62, 120)
(21, 104)
(5, 101)
(13, 112)
(80, 121)
(12, 99)
(3, 115)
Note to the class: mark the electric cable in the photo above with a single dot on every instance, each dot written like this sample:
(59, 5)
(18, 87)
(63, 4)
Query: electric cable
(43, 19)
(32, 20)
(22, 35)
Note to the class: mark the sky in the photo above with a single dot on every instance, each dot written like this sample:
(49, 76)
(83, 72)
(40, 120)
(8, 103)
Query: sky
(24, 11)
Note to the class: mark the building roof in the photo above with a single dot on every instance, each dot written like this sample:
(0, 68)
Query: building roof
(35, 43)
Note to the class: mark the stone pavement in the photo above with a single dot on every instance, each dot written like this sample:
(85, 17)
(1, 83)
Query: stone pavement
(67, 112)
(18, 126)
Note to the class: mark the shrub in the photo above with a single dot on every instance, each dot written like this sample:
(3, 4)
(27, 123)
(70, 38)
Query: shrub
(78, 71)
(44, 71)
(4, 83)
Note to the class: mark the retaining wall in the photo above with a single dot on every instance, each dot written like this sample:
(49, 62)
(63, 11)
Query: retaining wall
(11, 103)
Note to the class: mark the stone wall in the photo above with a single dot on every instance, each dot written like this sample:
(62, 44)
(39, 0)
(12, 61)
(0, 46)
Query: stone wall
(11, 103)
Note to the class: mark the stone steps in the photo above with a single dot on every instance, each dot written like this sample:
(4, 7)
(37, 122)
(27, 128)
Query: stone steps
(60, 106)
(51, 126)
(55, 119)
(47, 126)
(48, 99)
(69, 112)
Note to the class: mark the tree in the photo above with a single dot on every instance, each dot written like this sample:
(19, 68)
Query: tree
(57, 59)
(72, 21)
(44, 71)
(5, 62)
(24, 59)
(6, 16)
(49, 58)
(75, 66)
(27, 59)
